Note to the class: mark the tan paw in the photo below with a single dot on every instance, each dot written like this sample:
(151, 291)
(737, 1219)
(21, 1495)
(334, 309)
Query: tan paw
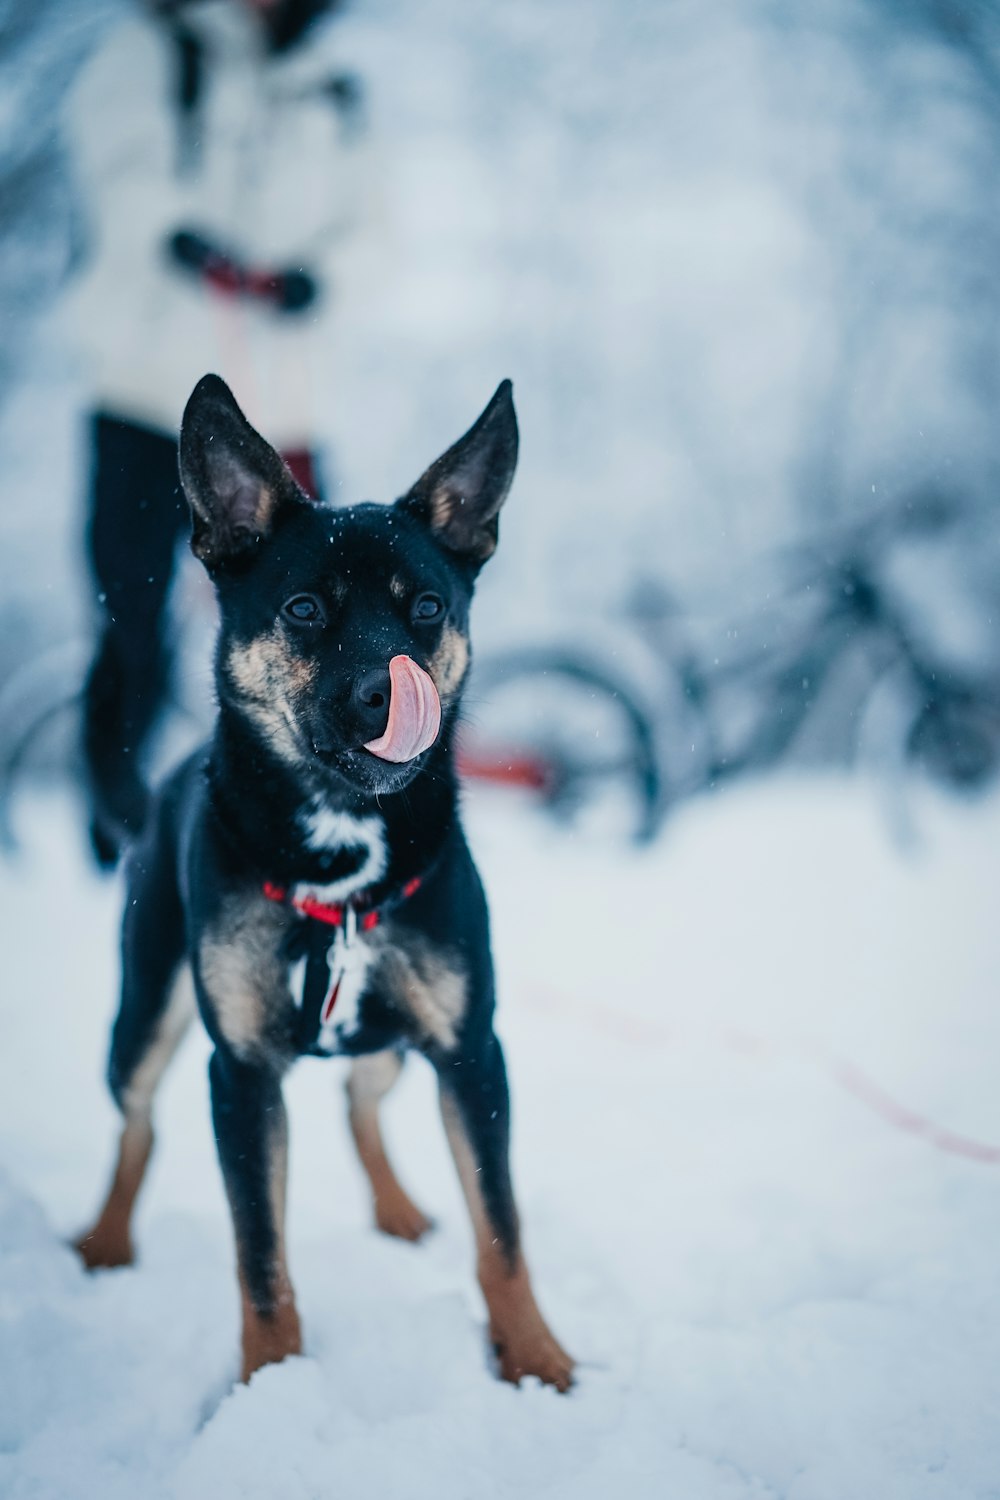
(398, 1215)
(537, 1354)
(104, 1246)
(270, 1338)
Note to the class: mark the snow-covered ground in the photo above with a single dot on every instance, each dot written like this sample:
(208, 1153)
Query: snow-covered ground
(740, 264)
(774, 1289)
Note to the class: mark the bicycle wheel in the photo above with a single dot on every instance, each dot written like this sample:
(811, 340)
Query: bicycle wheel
(566, 729)
(957, 739)
(31, 699)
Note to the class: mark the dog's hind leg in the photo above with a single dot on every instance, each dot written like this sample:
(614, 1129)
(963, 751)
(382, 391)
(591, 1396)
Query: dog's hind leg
(109, 1242)
(156, 1008)
(370, 1079)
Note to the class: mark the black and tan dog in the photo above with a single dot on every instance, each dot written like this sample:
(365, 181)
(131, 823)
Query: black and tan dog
(307, 869)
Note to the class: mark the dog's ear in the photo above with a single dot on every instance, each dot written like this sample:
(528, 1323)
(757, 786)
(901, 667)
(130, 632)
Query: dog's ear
(235, 483)
(460, 495)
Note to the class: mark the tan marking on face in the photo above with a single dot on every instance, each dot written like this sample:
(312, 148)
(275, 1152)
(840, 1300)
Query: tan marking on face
(269, 677)
(397, 587)
(421, 981)
(450, 661)
(244, 974)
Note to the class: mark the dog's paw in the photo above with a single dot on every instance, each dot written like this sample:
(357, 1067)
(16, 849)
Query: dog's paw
(398, 1215)
(103, 1248)
(268, 1338)
(535, 1353)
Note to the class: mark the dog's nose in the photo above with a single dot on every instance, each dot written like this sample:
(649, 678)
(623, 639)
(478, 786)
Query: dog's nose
(371, 702)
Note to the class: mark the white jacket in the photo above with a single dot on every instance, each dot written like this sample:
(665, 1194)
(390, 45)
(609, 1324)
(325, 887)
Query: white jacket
(278, 179)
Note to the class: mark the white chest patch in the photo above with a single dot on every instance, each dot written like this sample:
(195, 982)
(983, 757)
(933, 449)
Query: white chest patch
(349, 959)
(349, 965)
(325, 828)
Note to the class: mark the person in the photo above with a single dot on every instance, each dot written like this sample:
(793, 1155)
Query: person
(217, 151)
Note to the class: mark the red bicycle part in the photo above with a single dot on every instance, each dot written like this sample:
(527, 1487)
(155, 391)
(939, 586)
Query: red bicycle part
(514, 769)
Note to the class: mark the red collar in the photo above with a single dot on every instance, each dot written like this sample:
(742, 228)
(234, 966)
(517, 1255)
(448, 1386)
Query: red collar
(335, 914)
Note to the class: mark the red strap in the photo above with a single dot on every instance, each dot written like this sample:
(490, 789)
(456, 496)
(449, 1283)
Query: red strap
(329, 1003)
(510, 770)
(262, 284)
(223, 276)
(333, 914)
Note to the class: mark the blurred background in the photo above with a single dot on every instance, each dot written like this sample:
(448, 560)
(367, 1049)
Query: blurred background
(740, 266)
(740, 261)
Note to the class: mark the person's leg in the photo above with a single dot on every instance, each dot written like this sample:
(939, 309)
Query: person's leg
(136, 513)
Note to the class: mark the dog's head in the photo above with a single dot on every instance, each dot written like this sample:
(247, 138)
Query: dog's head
(344, 633)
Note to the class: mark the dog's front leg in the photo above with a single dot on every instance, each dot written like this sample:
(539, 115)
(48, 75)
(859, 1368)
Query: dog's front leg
(251, 1131)
(476, 1111)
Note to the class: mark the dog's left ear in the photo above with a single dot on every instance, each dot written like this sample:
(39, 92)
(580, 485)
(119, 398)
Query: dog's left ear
(460, 495)
(235, 483)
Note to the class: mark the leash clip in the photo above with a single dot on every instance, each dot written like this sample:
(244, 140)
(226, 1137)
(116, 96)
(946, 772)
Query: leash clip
(350, 928)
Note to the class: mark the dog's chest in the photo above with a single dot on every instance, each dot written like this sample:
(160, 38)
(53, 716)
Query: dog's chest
(356, 846)
(328, 985)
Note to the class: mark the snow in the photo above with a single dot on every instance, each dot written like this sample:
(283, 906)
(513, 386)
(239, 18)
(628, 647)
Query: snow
(771, 1290)
(741, 271)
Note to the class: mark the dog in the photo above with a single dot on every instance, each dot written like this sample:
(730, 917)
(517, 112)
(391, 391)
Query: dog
(304, 881)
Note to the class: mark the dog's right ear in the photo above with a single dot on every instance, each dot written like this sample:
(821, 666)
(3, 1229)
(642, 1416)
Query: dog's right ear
(235, 483)
(460, 495)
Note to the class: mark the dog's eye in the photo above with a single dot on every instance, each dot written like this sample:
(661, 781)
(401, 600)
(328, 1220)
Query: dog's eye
(428, 607)
(303, 609)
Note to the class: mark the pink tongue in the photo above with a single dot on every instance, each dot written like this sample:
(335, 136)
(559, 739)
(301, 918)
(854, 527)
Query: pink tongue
(414, 713)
